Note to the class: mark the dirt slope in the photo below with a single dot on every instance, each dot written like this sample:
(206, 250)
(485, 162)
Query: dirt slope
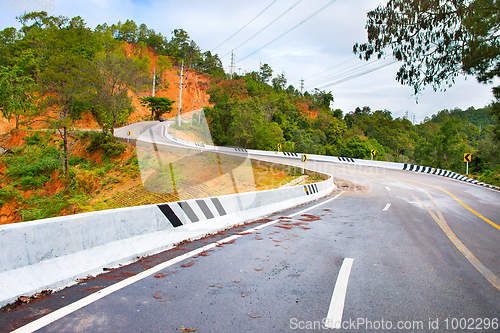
(194, 89)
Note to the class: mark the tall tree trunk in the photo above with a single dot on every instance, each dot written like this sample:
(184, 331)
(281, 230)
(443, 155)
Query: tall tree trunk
(65, 140)
(17, 122)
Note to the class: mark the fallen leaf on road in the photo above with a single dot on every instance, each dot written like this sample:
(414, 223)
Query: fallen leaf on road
(254, 316)
(160, 275)
(283, 227)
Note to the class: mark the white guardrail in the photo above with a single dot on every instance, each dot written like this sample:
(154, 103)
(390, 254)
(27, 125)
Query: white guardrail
(380, 164)
(53, 253)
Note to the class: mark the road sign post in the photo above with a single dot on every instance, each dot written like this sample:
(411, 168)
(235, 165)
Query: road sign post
(467, 159)
(373, 152)
(304, 159)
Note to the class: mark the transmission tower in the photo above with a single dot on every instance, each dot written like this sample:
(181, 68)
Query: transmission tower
(232, 64)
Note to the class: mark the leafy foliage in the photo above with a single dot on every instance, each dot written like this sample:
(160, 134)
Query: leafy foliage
(117, 75)
(16, 93)
(253, 114)
(32, 166)
(105, 143)
(436, 40)
(158, 105)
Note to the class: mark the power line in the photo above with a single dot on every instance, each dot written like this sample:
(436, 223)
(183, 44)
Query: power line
(244, 26)
(358, 75)
(310, 77)
(211, 32)
(345, 71)
(294, 27)
(267, 26)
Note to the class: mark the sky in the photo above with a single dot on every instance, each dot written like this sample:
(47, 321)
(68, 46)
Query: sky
(309, 40)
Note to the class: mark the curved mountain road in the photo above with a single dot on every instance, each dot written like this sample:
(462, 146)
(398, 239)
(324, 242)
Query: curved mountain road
(388, 250)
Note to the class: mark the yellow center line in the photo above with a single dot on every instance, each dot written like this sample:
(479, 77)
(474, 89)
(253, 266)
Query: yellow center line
(487, 273)
(133, 132)
(413, 181)
(439, 219)
(458, 200)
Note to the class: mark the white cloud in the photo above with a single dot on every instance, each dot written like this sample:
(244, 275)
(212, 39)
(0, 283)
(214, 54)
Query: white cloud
(307, 52)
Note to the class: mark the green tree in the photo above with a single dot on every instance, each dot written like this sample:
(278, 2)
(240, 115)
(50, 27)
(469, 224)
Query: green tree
(322, 99)
(355, 148)
(65, 71)
(178, 45)
(127, 31)
(210, 64)
(268, 136)
(247, 117)
(116, 75)
(265, 73)
(279, 83)
(436, 40)
(158, 105)
(17, 94)
(9, 40)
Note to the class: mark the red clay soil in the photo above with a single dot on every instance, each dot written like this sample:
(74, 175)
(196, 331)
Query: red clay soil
(195, 90)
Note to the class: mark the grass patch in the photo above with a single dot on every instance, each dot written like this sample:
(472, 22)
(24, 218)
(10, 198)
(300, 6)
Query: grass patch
(35, 182)
(31, 166)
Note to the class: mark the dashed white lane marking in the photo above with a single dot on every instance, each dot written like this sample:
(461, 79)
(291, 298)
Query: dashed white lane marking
(70, 308)
(336, 310)
(386, 207)
(388, 189)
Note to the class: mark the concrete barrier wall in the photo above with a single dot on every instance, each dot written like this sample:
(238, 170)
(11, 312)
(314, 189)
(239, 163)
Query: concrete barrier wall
(378, 164)
(52, 253)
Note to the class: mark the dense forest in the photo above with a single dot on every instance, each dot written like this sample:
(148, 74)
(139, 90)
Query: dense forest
(255, 111)
(59, 67)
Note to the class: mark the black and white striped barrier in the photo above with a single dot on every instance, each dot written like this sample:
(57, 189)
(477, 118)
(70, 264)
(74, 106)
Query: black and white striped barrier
(445, 173)
(346, 159)
(311, 189)
(33, 259)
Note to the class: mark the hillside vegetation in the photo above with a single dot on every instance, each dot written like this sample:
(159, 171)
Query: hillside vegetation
(250, 112)
(58, 74)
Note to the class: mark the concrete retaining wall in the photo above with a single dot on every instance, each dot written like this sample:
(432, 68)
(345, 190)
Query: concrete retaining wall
(379, 164)
(52, 253)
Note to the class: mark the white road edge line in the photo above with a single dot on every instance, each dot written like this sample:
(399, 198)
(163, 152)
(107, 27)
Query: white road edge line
(70, 308)
(386, 208)
(336, 310)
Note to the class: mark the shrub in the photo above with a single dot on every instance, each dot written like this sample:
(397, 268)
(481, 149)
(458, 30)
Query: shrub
(107, 144)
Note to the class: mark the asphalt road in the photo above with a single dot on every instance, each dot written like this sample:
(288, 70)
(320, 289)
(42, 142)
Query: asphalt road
(422, 256)
(134, 131)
